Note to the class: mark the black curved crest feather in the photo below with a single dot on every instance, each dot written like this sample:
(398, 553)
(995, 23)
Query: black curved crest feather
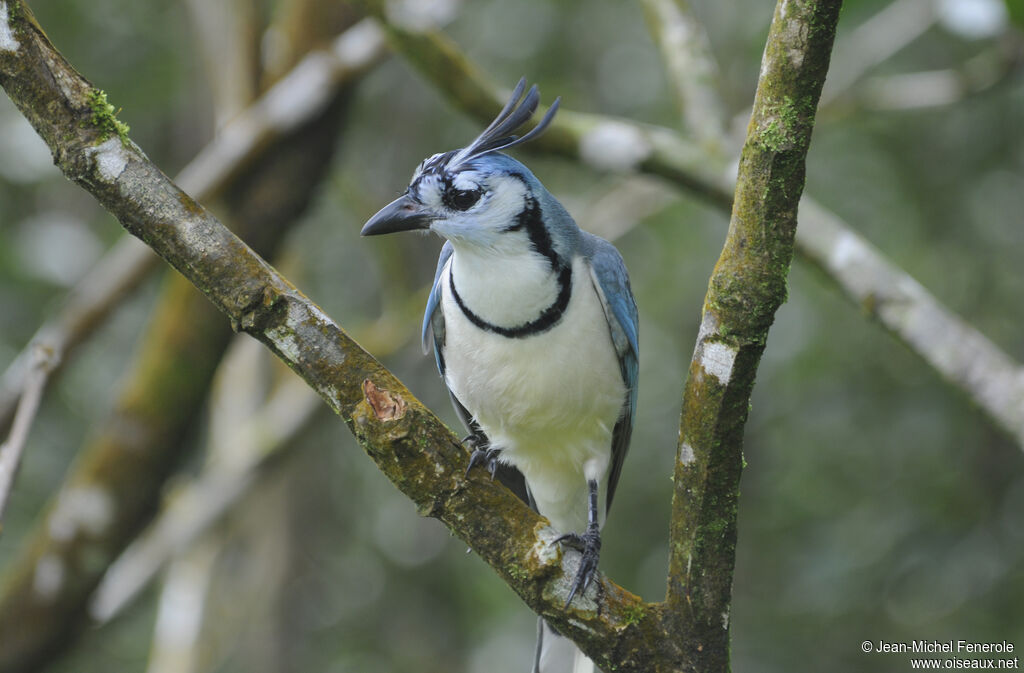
(499, 134)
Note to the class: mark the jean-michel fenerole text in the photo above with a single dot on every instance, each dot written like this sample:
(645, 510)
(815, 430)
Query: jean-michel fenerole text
(945, 646)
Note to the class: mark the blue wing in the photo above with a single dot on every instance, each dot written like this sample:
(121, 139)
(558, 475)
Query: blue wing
(433, 319)
(612, 283)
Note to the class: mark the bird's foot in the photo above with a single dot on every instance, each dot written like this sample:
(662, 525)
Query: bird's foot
(589, 545)
(483, 454)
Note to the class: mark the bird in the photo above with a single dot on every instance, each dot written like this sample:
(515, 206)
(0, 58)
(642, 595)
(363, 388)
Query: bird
(534, 331)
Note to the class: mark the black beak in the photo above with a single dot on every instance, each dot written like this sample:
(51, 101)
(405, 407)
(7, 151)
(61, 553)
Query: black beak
(402, 214)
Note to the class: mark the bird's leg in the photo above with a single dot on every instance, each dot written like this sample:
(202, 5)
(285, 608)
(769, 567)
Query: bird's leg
(588, 544)
(483, 453)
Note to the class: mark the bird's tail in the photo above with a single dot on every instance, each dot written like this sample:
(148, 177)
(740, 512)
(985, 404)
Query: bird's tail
(557, 654)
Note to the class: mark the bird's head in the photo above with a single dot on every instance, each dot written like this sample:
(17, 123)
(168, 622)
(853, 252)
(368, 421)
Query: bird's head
(476, 194)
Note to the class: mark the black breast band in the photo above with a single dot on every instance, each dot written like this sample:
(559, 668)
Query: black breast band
(547, 319)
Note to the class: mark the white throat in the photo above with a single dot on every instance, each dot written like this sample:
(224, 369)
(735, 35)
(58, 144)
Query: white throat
(501, 288)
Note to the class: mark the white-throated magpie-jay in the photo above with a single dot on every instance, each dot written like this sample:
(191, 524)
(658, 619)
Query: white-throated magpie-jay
(534, 330)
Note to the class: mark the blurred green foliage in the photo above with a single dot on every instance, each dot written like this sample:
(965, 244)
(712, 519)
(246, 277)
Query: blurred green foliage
(877, 503)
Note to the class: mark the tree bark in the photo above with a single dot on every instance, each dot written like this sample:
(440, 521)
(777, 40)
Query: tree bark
(407, 442)
(746, 288)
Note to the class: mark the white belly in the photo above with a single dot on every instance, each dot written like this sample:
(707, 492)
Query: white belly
(549, 401)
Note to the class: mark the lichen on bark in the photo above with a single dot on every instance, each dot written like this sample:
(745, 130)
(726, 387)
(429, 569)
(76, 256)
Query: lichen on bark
(747, 286)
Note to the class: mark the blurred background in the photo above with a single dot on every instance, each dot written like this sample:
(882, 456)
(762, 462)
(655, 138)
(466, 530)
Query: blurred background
(877, 503)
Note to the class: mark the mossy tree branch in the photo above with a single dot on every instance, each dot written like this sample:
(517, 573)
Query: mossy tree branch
(113, 488)
(408, 443)
(242, 143)
(747, 286)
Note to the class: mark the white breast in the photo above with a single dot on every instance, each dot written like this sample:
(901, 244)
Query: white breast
(549, 401)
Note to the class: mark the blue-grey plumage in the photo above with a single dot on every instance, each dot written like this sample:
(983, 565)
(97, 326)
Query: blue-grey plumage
(534, 331)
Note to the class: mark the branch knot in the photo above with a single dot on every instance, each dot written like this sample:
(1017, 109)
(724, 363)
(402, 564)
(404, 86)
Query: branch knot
(387, 406)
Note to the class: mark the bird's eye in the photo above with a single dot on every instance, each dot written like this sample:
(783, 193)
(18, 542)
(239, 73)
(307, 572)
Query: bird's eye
(461, 199)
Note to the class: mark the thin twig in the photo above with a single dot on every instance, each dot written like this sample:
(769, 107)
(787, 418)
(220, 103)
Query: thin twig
(933, 88)
(86, 306)
(290, 103)
(692, 71)
(228, 37)
(875, 41)
(955, 349)
(179, 616)
(13, 448)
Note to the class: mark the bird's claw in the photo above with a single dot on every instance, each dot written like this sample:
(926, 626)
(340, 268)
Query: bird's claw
(483, 454)
(589, 546)
(475, 441)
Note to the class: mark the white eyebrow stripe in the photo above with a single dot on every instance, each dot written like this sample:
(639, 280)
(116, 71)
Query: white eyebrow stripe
(466, 181)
